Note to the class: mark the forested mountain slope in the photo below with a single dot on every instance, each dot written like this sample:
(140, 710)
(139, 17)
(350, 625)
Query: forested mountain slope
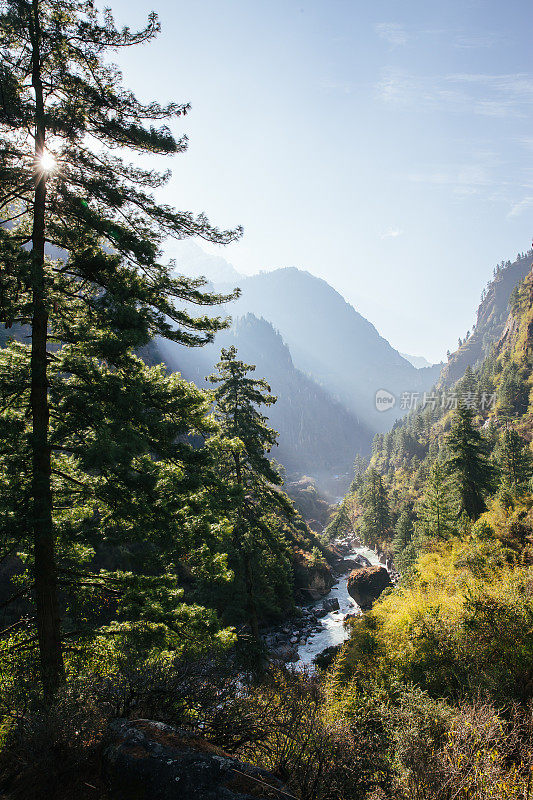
(497, 394)
(448, 651)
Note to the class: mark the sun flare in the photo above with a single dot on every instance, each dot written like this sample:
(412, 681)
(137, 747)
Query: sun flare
(47, 162)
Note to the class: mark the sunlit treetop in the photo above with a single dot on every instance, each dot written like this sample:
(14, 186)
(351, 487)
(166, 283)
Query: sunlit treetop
(77, 140)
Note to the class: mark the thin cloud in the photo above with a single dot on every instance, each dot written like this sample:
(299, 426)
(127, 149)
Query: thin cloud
(475, 41)
(397, 35)
(392, 233)
(521, 206)
(466, 176)
(506, 95)
(392, 32)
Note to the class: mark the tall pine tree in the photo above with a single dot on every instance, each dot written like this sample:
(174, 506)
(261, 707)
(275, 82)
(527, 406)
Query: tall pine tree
(81, 234)
(437, 510)
(256, 505)
(376, 512)
(514, 460)
(468, 463)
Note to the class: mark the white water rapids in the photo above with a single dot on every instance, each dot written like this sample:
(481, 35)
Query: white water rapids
(333, 631)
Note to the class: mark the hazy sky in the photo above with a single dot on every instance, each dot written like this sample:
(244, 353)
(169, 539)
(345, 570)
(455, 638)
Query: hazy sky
(382, 145)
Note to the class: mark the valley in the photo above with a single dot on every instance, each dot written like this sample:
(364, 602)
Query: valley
(254, 544)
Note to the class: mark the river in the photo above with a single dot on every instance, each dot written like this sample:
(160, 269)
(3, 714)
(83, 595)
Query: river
(333, 631)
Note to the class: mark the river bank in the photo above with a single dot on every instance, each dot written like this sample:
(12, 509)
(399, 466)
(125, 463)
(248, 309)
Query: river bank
(320, 624)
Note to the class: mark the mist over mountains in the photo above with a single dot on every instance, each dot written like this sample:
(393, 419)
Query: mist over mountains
(324, 360)
(334, 344)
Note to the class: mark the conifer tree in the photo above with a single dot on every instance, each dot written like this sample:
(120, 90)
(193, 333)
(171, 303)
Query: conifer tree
(360, 466)
(407, 542)
(251, 479)
(376, 512)
(468, 463)
(403, 533)
(437, 511)
(340, 523)
(513, 460)
(80, 243)
(513, 393)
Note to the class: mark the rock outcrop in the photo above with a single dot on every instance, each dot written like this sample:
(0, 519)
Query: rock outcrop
(312, 579)
(365, 585)
(151, 761)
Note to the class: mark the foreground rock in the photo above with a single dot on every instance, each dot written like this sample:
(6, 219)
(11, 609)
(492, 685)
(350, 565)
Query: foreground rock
(365, 585)
(151, 761)
(286, 653)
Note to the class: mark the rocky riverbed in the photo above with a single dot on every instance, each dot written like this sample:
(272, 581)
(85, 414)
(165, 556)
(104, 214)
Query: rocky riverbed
(320, 624)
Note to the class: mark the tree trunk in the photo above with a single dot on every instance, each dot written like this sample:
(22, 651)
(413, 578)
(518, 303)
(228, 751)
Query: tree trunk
(45, 572)
(250, 601)
(248, 574)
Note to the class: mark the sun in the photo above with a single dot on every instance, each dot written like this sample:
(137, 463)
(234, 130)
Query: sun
(47, 162)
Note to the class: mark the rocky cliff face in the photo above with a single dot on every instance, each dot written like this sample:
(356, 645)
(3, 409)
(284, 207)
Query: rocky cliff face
(491, 319)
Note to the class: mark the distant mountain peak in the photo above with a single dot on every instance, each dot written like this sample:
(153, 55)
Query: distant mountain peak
(193, 261)
(417, 361)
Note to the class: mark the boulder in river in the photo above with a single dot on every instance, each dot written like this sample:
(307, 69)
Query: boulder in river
(148, 760)
(348, 617)
(365, 585)
(331, 604)
(357, 562)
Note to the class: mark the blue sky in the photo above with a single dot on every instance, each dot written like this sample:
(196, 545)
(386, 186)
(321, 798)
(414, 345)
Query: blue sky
(384, 146)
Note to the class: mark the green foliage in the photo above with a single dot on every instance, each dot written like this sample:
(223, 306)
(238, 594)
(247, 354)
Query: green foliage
(460, 626)
(437, 511)
(375, 520)
(514, 461)
(403, 546)
(340, 522)
(258, 510)
(468, 462)
(513, 393)
(105, 476)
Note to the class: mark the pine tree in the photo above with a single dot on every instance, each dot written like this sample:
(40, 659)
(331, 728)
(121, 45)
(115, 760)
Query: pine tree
(513, 460)
(437, 511)
(513, 393)
(63, 198)
(468, 463)
(403, 533)
(255, 500)
(406, 543)
(376, 513)
(340, 523)
(360, 466)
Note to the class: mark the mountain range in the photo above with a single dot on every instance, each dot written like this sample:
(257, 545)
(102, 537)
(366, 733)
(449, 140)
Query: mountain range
(325, 361)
